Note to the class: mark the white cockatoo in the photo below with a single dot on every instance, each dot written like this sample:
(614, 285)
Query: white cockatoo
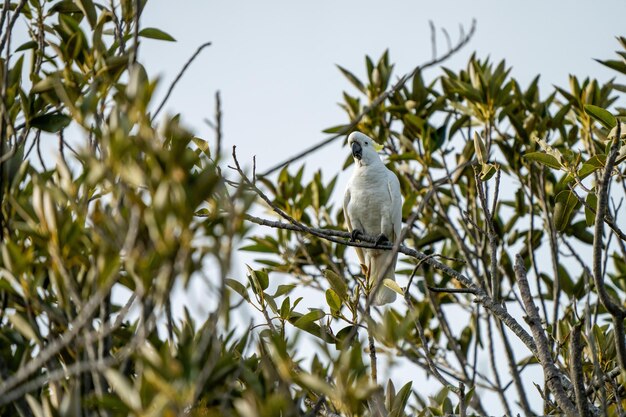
(373, 205)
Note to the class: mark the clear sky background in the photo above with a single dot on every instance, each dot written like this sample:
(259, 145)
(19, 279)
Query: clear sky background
(274, 61)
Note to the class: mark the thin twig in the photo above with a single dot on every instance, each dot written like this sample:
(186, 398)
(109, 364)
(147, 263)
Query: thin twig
(450, 290)
(137, 14)
(494, 369)
(218, 124)
(491, 235)
(515, 373)
(462, 405)
(178, 77)
(11, 23)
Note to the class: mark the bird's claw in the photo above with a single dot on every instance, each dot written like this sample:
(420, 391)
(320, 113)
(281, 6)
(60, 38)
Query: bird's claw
(381, 238)
(356, 233)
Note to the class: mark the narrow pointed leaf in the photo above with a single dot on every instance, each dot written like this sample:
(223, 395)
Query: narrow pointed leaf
(543, 158)
(601, 115)
(154, 33)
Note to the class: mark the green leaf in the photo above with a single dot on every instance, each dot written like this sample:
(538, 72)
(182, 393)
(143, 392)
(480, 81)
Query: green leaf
(544, 159)
(238, 287)
(601, 115)
(50, 122)
(259, 278)
(285, 308)
(333, 300)
(263, 278)
(353, 79)
(581, 232)
(203, 212)
(566, 202)
(203, 145)
(65, 6)
(154, 33)
(309, 317)
(592, 201)
(337, 284)
(594, 163)
(487, 172)
(26, 46)
(284, 289)
(89, 10)
(479, 148)
(400, 400)
(336, 129)
(615, 65)
(345, 336)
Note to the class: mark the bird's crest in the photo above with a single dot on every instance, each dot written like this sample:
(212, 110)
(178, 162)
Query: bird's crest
(378, 147)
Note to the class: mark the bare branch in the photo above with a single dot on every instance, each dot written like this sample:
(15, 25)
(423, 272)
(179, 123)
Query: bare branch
(218, 123)
(617, 312)
(11, 23)
(576, 370)
(481, 296)
(451, 290)
(178, 77)
(552, 374)
(491, 234)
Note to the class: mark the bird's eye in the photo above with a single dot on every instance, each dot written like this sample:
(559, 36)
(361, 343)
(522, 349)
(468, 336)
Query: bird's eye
(366, 142)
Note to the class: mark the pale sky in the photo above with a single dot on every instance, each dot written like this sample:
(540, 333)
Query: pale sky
(274, 61)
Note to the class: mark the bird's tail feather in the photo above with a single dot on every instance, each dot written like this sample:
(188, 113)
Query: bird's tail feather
(376, 269)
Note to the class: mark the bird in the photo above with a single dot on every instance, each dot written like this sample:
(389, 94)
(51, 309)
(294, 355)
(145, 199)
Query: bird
(372, 205)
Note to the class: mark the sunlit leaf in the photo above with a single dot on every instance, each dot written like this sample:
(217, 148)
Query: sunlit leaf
(333, 300)
(393, 285)
(544, 159)
(601, 115)
(565, 204)
(337, 284)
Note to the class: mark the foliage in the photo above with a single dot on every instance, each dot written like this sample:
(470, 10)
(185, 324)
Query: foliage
(92, 247)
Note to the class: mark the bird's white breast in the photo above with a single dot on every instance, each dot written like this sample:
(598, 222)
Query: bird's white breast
(369, 199)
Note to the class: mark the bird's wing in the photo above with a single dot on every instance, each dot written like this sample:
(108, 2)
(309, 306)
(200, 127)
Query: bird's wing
(346, 214)
(393, 186)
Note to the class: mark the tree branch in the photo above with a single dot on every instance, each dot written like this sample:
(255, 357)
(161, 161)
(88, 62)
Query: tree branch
(552, 374)
(178, 77)
(617, 312)
(343, 238)
(576, 370)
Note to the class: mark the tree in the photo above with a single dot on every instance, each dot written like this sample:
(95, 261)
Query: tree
(493, 175)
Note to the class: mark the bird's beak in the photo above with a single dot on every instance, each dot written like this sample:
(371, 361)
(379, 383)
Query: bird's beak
(357, 151)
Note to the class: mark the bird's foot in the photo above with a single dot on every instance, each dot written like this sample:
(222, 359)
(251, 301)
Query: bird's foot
(356, 233)
(381, 238)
